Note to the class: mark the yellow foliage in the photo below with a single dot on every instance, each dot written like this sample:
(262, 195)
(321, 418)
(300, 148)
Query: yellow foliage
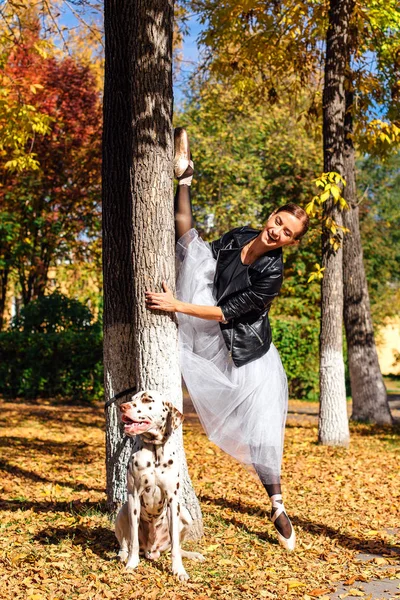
(317, 274)
(380, 137)
(19, 123)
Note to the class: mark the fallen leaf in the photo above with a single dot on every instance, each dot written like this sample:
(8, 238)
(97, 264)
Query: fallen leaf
(230, 540)
(350, 581)
(225, 561)
(211, 548)
(294, 584)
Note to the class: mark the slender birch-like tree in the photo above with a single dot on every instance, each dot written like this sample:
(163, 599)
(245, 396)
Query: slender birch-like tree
(333, 421)
(140, 346)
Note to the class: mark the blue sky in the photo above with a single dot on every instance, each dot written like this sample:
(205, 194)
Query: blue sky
(189, 51)
(190, 54)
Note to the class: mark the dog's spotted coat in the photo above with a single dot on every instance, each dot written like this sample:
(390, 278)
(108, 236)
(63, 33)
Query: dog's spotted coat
(152, 520)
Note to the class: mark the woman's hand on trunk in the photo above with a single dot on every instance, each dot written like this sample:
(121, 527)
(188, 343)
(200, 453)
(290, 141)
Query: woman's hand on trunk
(162, 301)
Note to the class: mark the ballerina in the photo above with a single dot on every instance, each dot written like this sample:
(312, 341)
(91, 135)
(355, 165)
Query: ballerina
(231, 368)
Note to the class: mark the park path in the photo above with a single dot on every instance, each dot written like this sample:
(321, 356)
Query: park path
(301, 412)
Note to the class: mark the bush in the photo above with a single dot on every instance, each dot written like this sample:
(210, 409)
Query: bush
(53, 349)
(297, 341)
(54, 352)
(54, 313)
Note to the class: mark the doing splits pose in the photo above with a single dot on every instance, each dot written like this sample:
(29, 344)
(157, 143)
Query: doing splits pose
(232, 370)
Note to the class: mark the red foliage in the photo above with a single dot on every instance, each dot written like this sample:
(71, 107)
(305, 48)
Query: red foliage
(58, 206)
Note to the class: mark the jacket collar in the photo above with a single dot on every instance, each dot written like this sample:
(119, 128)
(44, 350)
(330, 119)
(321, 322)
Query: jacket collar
(244, 236)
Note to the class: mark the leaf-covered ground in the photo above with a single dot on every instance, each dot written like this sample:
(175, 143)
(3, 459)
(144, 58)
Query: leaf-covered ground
(56, 542)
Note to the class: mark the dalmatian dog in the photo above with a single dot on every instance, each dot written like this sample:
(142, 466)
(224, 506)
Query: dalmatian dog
(153, 520)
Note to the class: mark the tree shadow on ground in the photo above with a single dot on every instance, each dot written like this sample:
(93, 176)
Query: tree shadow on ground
(74, 507)
(385, 432)
(78, 450)
(370, 546)
(100, 540)
(82, 416)
(24, 473)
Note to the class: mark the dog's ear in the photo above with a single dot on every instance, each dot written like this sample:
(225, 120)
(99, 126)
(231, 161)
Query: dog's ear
(175, 417)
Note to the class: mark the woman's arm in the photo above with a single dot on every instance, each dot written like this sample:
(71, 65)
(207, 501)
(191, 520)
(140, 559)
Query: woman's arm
(166, 301)
(256, 297)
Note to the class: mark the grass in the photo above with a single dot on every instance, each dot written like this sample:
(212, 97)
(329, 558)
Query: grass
(392, 383)
(57, 542)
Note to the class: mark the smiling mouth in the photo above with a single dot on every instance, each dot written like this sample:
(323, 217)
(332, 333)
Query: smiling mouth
(132, 425)
(270, 238)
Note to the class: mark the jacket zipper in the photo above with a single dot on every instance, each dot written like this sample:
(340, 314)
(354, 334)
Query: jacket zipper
(230, 352)
(256, 334)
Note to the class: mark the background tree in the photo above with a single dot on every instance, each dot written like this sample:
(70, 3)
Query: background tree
(50, 207)
(20, 124)
(367, 387)
(368, 392)
(333, 423)
(140, 347)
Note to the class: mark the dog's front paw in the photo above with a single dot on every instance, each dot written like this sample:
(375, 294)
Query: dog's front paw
(181, 575)
(153, 555)
(132, 563)
(193, 556)
(123, 555)
(196, 556)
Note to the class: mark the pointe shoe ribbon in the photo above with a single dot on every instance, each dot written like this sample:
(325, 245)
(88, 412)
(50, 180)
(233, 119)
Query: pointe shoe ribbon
(277, 504)
(187, 177)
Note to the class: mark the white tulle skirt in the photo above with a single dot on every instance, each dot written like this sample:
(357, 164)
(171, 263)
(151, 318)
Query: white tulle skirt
(242, 409)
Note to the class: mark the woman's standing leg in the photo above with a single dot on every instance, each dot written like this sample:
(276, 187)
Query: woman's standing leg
(183, 170)
(272, 485)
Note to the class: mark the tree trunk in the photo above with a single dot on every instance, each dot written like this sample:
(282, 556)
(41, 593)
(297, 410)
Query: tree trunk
(4, 274)
(368, 390)
(333, 421)
(40, 277)
(138, 226)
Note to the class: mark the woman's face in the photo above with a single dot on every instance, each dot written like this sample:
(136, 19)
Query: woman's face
(281, 229)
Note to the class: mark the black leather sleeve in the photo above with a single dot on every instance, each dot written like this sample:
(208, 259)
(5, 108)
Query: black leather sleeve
(257, 297)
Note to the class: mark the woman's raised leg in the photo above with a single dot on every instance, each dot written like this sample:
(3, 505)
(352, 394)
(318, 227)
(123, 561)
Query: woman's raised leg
(182, 210)
(183, 170)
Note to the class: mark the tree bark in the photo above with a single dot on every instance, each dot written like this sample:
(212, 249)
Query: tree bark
(368, 390)
(140, 346)
(4, 273)
(333, 421)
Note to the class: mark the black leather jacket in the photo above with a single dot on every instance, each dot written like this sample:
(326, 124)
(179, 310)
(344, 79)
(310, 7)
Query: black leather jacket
(245, 301)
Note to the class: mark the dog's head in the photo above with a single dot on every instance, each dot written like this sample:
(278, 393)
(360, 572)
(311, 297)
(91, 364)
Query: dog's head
(151, 416)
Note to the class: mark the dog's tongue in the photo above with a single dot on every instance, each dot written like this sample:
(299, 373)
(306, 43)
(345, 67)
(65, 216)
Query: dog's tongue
(136, 426)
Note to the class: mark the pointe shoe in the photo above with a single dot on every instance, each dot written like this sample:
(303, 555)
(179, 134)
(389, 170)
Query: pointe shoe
(187, 176)
(181, 153)
(277, 503)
